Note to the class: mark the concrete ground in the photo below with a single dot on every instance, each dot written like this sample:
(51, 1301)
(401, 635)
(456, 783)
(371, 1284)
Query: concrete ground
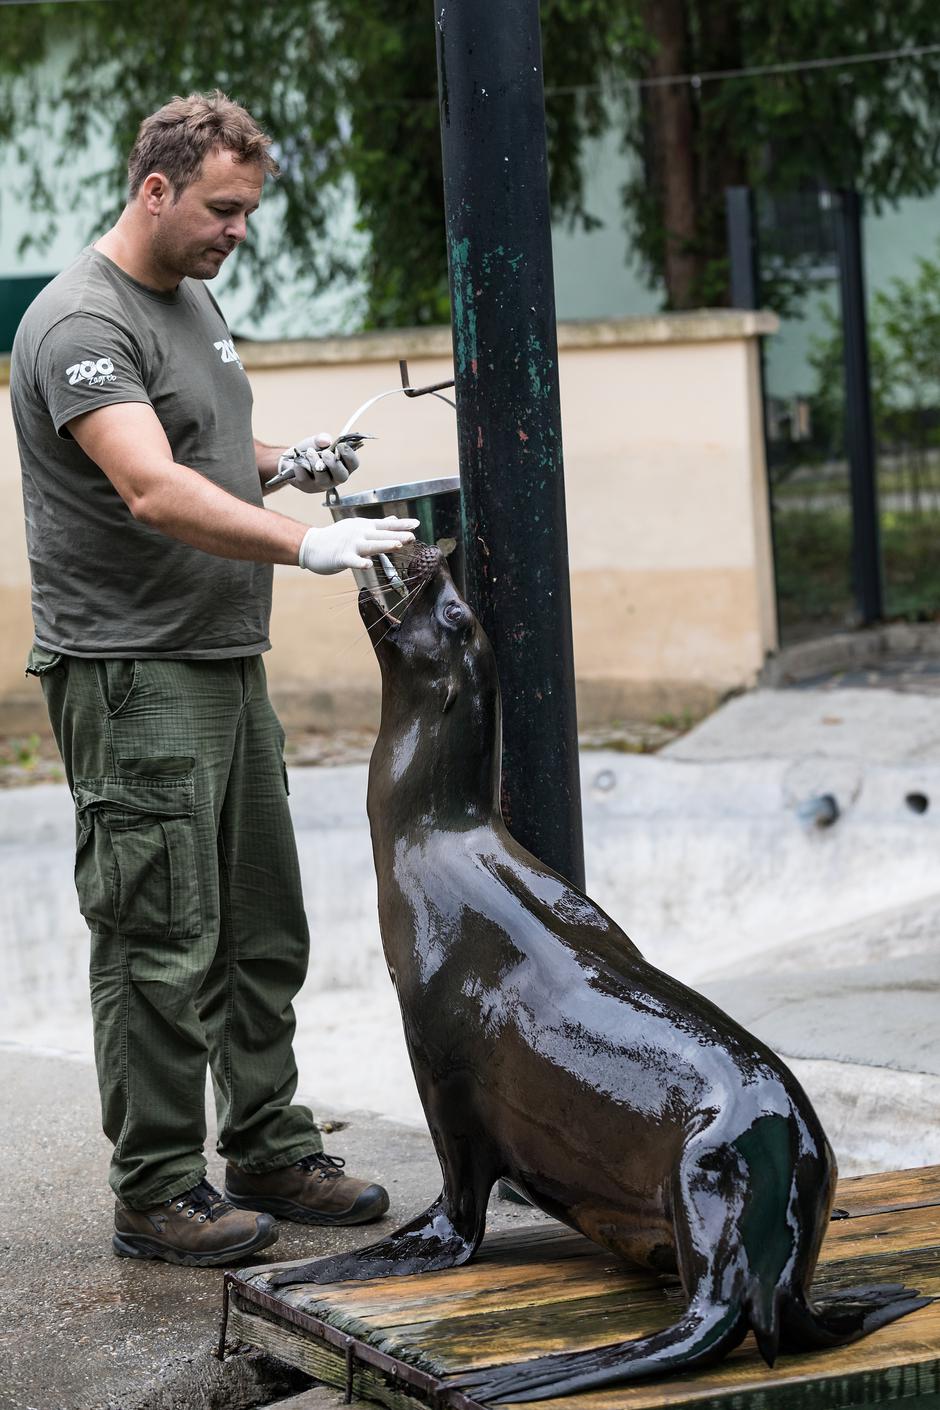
(823, 940)
(83, 1330)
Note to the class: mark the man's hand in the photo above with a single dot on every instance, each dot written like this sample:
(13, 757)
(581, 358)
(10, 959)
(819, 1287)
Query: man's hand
(315, 466)
(353, 543)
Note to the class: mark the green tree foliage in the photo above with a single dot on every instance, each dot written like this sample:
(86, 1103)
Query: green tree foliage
(871, 125)
(348, 90)
(904, 356)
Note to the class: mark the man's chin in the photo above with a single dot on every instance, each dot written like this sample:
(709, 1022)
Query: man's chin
(207, 267)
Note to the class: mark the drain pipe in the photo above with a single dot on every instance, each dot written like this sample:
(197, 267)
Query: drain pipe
(508, 413)
(821, 811)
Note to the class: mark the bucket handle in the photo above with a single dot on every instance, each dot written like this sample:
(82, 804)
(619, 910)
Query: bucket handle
(332, 494)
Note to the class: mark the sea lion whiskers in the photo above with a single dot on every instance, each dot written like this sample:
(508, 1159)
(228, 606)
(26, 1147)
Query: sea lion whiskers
(352, 595)
(406, 605)
(386, 616)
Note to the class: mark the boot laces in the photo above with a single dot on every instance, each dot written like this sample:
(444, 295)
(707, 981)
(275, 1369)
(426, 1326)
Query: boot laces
(328, 1167)
(202, 1202)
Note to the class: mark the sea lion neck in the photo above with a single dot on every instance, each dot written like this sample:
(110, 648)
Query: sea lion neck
(436, 762)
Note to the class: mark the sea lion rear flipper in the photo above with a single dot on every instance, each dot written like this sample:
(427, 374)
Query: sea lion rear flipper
(844, 1315)
(696, 1341)
(700, 1338)
(431, 1241)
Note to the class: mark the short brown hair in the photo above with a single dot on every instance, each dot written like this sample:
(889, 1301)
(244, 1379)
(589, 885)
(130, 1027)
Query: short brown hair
(178, 137)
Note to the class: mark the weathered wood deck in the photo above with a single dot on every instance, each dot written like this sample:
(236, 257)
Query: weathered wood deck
(544, 1288)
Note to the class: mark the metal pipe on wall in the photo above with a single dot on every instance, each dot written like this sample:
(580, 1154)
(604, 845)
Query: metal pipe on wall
(508, 411)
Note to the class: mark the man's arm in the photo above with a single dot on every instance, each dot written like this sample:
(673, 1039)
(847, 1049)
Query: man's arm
(129, 444)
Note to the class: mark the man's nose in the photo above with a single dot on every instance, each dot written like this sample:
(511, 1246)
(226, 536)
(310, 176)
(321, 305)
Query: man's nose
(237, 228)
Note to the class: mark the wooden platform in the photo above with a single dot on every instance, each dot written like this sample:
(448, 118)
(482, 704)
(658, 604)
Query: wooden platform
(543, 1288)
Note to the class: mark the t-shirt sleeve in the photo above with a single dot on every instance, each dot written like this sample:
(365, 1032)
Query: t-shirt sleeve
(85, 362)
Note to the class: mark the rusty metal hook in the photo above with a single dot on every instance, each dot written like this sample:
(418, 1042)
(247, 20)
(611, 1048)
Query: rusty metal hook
(411, 391)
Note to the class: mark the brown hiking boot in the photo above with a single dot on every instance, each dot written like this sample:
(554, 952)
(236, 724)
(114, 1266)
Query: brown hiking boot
(198, 1228)
(313, 1190)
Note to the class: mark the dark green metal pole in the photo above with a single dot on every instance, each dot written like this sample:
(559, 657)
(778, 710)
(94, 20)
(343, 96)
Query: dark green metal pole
(492, 111)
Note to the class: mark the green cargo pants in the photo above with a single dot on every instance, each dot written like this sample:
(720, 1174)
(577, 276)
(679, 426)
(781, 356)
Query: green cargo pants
(187, 874)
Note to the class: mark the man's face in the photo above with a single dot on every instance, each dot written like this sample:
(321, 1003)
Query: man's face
(193, 236)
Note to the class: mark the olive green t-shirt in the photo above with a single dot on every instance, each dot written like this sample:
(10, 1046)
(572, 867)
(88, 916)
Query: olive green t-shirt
(103, 583)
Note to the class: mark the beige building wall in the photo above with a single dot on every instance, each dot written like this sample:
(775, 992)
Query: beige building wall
(671, 571)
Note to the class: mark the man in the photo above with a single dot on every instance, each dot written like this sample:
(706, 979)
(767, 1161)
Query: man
(151, 559)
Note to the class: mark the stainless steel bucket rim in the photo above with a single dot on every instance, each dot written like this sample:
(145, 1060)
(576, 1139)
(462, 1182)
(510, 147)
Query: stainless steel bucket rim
(399, 492)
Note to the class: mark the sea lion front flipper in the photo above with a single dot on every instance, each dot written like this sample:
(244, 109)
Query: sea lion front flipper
(439, 1238)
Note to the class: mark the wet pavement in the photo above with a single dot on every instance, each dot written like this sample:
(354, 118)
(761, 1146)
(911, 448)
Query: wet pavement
(83, 1330)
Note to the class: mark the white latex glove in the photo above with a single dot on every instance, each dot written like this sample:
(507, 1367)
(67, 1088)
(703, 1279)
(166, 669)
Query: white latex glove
(352, 543)
(314, 466)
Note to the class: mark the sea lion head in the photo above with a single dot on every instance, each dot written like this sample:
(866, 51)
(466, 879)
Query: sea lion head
(431, 633)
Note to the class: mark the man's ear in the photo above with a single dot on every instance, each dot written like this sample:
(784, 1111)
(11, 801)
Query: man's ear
(156, 192)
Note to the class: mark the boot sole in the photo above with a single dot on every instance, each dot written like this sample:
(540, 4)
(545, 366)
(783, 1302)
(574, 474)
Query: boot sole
(139, 1246)
(301, 1214)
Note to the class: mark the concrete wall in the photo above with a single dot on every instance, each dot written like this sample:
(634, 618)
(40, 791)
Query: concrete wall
(672, 582)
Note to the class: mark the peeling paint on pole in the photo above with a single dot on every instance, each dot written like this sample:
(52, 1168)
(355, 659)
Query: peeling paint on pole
(464, 313)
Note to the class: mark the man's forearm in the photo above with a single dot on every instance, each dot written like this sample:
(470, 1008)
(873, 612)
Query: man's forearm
(129, 444)
(187, 506)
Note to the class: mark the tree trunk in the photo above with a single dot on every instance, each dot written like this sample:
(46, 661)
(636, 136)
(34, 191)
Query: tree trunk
(721, 158)
(671, 118)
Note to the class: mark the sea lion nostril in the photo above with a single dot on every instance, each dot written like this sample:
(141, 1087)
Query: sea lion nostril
(425, 560)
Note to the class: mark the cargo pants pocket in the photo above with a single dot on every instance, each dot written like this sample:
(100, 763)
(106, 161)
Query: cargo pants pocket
(135, 858)
(40, 661)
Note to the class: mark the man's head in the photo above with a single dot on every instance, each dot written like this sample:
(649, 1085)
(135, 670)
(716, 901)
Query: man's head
(195, 175)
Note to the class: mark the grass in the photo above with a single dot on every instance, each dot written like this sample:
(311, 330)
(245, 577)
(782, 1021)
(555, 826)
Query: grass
(813, 550)
(30, 759)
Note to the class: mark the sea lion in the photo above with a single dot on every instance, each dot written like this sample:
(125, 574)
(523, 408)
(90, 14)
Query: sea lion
(548, 1052)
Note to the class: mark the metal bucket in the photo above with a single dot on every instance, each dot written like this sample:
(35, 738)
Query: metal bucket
(436, 506)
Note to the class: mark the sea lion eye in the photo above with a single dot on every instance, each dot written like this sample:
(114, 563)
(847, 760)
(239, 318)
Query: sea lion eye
(453, 613)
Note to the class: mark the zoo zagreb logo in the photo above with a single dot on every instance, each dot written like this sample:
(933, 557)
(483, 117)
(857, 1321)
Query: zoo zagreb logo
(226, 350)
(94, 372)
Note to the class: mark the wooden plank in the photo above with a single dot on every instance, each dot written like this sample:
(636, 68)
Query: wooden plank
(317, 1359)
(544, 1288)
(448, 1345)
(889, 1189)
(902, 1359)
(873, 1248)
(850, 1377)
(448, 1294)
